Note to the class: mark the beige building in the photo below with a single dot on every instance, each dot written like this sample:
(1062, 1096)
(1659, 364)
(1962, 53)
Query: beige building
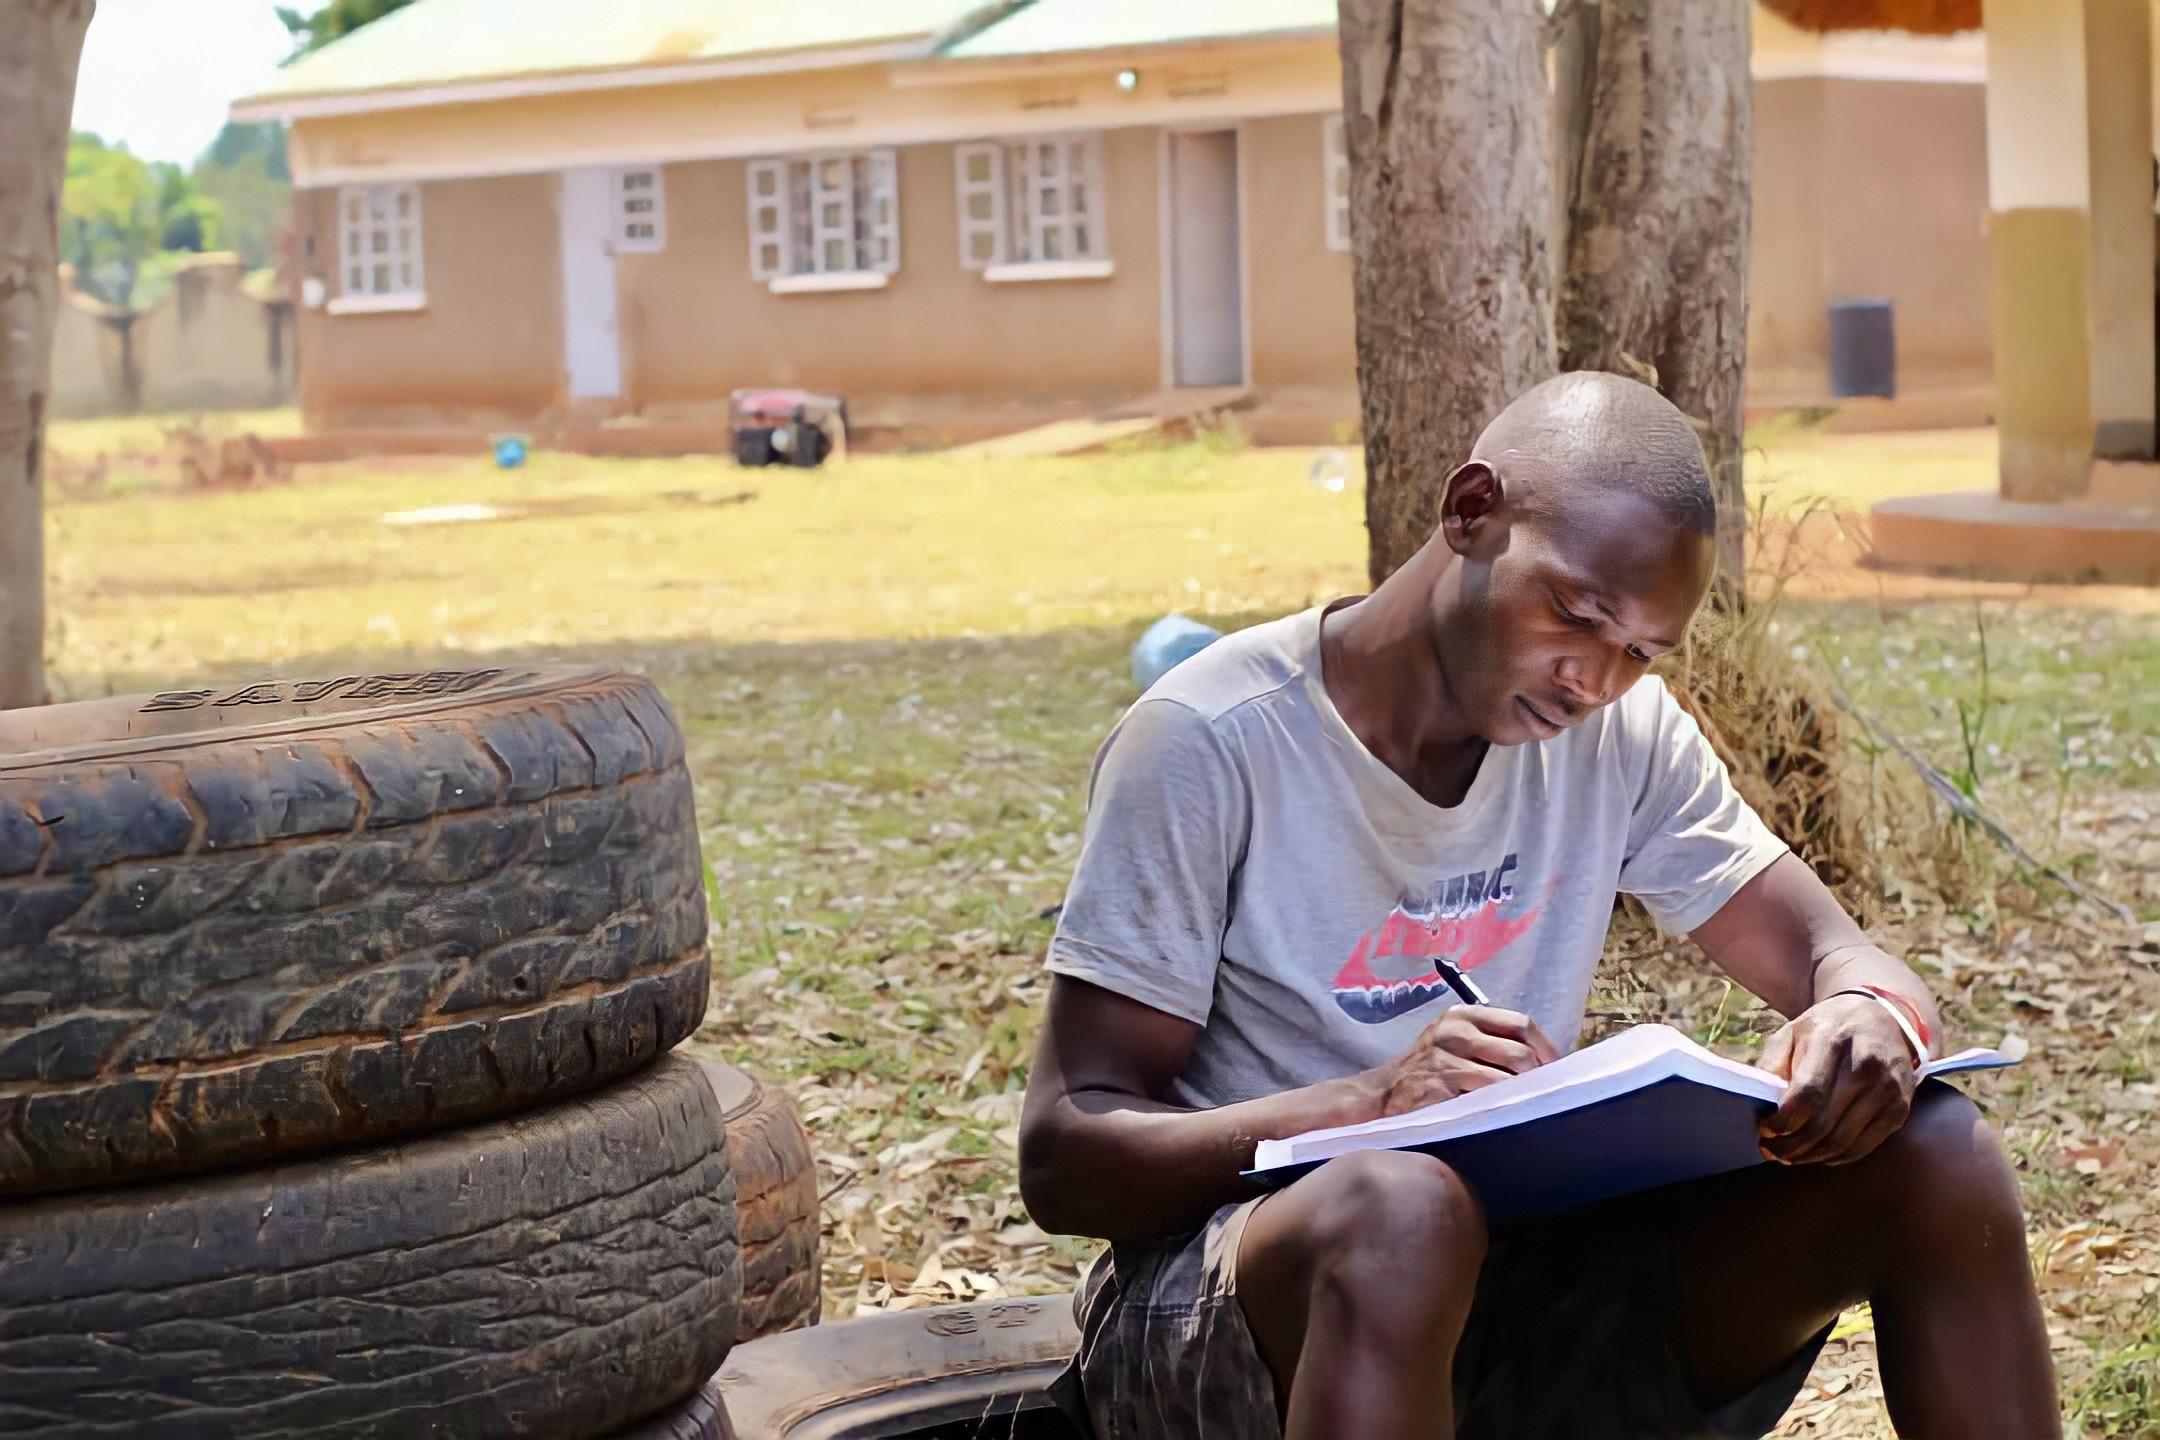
(965, 218)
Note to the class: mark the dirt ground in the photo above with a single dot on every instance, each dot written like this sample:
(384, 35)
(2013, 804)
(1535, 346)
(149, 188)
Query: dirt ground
(1831, 559)
(1814, 489)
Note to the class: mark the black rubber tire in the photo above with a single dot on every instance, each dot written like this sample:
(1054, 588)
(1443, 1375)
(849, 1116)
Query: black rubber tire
(702, 1417)
(553, 1275)
(776, 1208)
(776, 1196)
(958, 1370)
(237, 927)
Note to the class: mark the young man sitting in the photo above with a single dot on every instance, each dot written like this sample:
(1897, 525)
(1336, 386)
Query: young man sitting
(1466, 765)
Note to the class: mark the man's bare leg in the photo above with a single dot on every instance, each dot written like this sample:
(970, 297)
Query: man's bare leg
(1356, 1282)
(1929, 1229)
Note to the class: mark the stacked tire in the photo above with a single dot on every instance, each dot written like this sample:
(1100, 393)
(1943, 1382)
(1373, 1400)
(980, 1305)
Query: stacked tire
(335, 1086)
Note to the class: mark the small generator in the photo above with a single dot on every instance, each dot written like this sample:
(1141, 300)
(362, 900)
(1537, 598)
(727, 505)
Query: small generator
(785, 427)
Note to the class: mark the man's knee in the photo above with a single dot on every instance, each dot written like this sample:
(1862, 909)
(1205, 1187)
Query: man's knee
(1948, 1159)
(1396, 1213)
(1386, 1242)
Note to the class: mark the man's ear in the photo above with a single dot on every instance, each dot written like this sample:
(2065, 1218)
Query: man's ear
(1472, 503)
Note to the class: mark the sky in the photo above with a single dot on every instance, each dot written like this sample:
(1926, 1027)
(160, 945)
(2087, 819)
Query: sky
(158, 74)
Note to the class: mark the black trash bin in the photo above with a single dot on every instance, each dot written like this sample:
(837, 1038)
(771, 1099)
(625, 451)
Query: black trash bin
(1863, 349)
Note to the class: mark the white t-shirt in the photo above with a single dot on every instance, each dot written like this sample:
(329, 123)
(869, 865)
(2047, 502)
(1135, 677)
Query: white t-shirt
(1251, 867)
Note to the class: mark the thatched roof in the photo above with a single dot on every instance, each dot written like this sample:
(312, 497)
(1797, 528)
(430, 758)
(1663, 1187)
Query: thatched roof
(1920, 17)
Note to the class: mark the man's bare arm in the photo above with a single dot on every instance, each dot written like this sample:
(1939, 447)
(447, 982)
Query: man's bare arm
(1103, 1153)
(1786, 939)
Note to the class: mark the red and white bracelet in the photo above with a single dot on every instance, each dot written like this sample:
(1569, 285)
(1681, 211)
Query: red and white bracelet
(1904, 1012)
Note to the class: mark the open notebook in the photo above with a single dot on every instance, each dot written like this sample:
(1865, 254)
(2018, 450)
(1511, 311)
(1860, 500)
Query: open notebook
(1643, 1108)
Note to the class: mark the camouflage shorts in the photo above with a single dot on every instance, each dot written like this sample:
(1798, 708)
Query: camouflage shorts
(1567, 1340)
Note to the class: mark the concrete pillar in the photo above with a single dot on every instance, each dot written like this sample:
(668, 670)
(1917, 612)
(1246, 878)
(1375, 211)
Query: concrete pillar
(2070, 190)
(2040, 230)
(2119, 111)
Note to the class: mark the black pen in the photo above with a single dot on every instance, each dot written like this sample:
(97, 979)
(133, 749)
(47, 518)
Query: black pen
(1461, 984)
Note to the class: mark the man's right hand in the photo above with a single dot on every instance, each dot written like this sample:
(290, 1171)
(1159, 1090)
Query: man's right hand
(1100, 1111)
(1467, 1048)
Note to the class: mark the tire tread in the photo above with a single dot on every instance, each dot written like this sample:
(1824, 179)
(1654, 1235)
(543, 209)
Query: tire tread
(236, 950)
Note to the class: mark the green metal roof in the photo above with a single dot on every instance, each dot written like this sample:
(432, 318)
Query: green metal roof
(1053, 26)
(452, 42)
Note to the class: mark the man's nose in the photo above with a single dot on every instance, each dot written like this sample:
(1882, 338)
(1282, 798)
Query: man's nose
(1588, 679)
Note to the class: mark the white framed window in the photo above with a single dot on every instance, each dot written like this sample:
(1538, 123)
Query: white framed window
(1033, 209)
(825, 222)
(1336, 148)
(639, 197)
(379, 253)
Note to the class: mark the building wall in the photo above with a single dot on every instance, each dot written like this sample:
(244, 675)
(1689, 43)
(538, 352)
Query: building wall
(1299, 304)
(208, 344)
(486, 349)
(90, 370)
(1869, 189)
(1788, 322)
(695, 325)
(1905, 169)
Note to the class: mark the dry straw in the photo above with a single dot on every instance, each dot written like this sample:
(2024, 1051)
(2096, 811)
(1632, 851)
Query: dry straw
(1920, 17)
(1868, 828)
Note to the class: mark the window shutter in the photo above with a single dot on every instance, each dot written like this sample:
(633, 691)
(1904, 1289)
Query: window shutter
(834, 245)
(770, 224)
(979, 174)
(1047, 198)
(1337, 168)
(883, 228)
(1085, 207)
(352, 242)
(406, 206)
(640, 211)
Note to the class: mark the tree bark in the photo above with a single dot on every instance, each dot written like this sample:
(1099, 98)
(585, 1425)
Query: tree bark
(1657, 243)
(40, 46)
(1448, 125)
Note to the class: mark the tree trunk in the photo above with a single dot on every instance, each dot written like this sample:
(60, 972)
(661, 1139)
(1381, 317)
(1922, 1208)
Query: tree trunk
(1447, 120)
(1657, 244)
(40, 45)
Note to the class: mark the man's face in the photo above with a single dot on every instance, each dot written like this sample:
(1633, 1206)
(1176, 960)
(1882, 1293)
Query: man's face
(1569, 615)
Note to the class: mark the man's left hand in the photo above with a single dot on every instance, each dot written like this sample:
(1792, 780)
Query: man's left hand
(1850, 1075)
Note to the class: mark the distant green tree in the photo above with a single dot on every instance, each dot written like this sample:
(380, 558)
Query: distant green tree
(120, 214)
(187, 219)
(239, 139)
(245, 172)
(110, 217)
(332, 21)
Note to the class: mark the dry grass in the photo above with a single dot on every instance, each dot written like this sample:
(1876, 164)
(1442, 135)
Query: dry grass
(93, 459)
(1772, 723)
(1809, 768)
(1793, 466)
(891, 798)
(594, 551)
(1923, 17)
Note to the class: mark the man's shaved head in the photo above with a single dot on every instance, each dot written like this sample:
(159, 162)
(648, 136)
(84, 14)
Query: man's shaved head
(1602, 434)
(1573, 546)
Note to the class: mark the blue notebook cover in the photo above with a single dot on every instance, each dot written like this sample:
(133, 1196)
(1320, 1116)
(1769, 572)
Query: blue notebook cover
(1654, 1109)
